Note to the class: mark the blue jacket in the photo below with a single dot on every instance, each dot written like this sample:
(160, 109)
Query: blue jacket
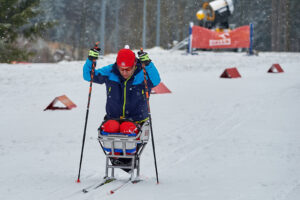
(125, 98)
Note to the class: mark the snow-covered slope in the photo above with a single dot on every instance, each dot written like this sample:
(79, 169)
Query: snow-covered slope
(215, 138)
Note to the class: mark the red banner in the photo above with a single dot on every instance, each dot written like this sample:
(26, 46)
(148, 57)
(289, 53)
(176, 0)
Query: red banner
(203, 38)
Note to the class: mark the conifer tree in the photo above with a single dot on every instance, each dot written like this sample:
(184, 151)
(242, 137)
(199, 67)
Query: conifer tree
(18, 18)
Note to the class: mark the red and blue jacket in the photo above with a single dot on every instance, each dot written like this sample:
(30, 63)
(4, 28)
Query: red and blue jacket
(125, 98)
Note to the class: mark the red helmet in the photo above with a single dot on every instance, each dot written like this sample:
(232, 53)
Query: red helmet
(125, 58)
(111, 126)
(128, 128)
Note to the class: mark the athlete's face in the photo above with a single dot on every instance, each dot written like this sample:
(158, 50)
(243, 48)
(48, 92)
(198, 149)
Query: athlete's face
(126, 72)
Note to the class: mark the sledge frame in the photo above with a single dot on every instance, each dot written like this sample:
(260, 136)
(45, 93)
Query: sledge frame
(114, 142)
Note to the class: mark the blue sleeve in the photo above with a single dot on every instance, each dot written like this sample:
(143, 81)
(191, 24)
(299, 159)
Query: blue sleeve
(153, 74)
(99, 75)
(87, 68)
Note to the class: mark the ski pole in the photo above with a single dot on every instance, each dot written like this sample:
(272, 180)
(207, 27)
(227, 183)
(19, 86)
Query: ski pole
(87, 112)
(150, 120)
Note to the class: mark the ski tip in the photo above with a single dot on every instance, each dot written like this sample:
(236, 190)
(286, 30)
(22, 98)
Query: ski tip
(111, 192)
(78, 181)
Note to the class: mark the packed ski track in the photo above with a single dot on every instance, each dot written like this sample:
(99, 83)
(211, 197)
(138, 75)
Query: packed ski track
(216, 139)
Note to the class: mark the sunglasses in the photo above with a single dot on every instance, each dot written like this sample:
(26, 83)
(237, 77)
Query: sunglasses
(125, 69)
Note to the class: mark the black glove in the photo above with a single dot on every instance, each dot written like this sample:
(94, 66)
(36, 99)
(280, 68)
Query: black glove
(94, 53)
(143, 57)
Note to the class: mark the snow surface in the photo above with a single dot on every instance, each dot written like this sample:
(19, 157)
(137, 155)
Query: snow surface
(216, 139)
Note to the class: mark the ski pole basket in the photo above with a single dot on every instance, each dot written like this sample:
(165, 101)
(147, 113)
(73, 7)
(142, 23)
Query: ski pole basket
(123, 151)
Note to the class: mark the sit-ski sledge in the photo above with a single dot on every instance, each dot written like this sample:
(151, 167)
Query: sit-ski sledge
(124, 151)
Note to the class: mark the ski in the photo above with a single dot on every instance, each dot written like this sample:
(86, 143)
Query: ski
(112, 191)
(94, 187)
